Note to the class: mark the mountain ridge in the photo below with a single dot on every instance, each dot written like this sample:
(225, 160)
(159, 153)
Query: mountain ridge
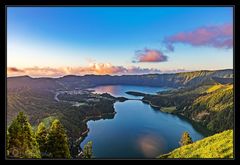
(170, 80)
(28, 76)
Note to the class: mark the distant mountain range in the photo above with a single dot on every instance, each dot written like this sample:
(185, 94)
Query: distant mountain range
(70, 82)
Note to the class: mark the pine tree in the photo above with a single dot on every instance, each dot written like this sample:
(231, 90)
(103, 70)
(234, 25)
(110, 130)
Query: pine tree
(186, 139)
(57, 141)
(21, 140)
(87, 150)
(41, 137)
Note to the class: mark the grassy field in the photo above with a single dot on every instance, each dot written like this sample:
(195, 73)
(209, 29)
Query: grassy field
(217, 146)
(168, 109)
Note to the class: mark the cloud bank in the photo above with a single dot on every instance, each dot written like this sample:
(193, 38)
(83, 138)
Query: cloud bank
(14, 69)
(213, 36)
(149, 55)
(95, 68)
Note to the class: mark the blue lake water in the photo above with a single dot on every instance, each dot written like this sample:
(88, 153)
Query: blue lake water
(137, 130)
(119, 90)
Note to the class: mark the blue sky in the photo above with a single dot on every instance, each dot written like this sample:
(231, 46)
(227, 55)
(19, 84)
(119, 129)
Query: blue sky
(57, 37)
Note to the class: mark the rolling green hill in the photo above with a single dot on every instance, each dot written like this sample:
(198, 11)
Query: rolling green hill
(215, 109)
(217, 146)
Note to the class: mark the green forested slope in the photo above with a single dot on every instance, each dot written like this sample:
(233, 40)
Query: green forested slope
(42, 107)
(209, 105)
(214, 109)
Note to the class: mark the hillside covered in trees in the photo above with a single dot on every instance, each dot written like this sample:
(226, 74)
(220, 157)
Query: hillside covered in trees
(209, 105)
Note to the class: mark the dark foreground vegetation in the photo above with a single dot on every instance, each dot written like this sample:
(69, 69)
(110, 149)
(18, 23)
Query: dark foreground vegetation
(46, 142)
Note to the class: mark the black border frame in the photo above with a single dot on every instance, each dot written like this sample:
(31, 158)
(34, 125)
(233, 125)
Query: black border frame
(118, 3)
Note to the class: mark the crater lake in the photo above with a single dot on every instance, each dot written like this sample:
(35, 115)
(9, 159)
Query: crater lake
(137, 130)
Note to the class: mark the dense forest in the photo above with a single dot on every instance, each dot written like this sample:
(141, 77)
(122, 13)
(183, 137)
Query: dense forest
(46, 142)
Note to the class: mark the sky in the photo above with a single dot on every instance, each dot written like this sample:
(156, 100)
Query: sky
(57, 41)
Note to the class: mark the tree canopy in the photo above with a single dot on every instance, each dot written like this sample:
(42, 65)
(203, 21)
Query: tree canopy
(21, 139)
(186, 139)
(87, 150)
(57, 141)
(41, 136)
(23, 142)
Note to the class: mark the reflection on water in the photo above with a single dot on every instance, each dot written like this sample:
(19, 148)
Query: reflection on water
(119, 90)
(103, 117)
(137, 130)
(151, 145)
(107, 89)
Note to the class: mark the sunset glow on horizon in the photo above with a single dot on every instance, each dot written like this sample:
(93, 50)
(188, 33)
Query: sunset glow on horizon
(58, 41)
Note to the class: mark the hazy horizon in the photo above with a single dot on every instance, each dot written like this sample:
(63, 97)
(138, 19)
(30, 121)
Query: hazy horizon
(112, 75)
(59, 41)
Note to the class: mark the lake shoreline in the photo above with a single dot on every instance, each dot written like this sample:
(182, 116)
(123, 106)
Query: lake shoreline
(77, 150)
(85, 132)
(199, 126)
(135, 93)
(193, 122)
